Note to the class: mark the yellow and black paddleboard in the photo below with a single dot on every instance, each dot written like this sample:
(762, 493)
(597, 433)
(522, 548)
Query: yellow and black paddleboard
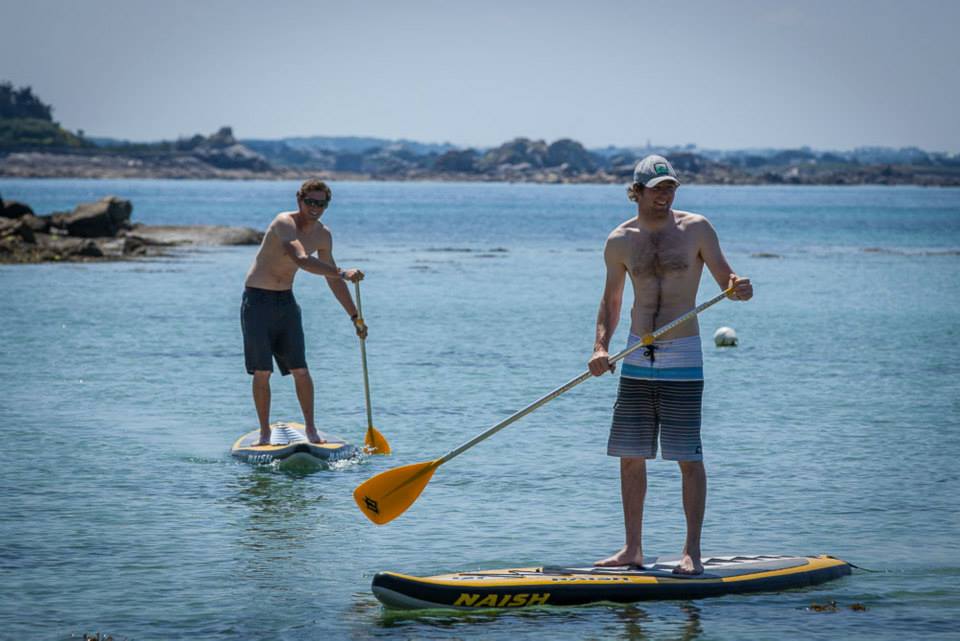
(289, 447)
(524, 587)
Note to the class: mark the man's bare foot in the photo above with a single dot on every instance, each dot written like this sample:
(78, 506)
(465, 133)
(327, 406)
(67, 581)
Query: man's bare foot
(313, 437)
(689, 565)
(264, 439)
(623, 557)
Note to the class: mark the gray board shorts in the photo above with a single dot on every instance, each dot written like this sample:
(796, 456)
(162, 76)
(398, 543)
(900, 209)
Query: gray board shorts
(272, 329)
(650, 410)
(659, 399)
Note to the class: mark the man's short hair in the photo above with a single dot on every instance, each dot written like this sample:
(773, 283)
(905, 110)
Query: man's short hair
(634, 191)
(314, 184)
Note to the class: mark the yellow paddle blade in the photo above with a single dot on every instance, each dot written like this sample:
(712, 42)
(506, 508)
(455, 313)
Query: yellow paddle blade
(375, 443)
(387, 495)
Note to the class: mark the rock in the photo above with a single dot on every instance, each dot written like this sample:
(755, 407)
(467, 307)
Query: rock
(725, 337)
(59, 248)
(102, 231)
(232, 157)
(105, 217)
(195, 235)
(133, 246)
(570, 156)
(89, 248)
(518, 154)
(8, 247)
(457, 161)
(59, 245)
(10, 227)
(223, 138)
(39, 224)
(14, 209)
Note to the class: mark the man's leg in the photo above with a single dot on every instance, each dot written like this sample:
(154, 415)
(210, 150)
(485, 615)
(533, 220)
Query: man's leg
(633, 491)
(304, 384)
(261, 400)
(694, 504)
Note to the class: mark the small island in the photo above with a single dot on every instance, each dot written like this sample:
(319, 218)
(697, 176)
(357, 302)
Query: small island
(100, 231)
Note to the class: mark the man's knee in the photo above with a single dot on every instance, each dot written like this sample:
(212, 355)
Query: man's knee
(692, 468)
(301, 373)
(633, 465)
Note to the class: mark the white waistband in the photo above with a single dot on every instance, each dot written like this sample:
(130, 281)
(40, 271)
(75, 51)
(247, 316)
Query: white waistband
(678, 352)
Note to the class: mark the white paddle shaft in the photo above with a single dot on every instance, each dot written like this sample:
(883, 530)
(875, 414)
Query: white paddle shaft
(543, 400)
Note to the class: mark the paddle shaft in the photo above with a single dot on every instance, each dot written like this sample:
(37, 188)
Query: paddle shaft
(363, 357)
(647, 340)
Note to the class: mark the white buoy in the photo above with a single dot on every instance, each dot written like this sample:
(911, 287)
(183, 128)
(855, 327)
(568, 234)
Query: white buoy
(725, 337)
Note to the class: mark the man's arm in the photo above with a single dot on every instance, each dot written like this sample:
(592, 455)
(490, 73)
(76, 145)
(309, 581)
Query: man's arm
(609, 314)
(286, 231)
(717, 263)
(338, 287)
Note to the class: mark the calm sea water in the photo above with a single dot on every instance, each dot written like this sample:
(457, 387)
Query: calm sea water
(833, 428)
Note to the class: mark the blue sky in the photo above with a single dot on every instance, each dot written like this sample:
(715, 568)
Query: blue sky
(832, 75)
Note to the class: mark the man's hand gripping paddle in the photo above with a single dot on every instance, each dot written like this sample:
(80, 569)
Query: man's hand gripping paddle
(387, 495)
(373, 441)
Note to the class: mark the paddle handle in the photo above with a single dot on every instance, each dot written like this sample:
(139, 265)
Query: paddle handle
(543, 400)
(363, 357)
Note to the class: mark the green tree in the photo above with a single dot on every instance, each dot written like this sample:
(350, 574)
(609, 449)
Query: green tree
(21, 103)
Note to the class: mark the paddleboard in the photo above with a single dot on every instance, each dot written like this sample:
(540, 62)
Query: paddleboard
(289, 446)
(580, 585)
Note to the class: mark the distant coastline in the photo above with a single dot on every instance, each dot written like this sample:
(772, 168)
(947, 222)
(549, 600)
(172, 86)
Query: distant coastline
(118, 163)
(33, 145)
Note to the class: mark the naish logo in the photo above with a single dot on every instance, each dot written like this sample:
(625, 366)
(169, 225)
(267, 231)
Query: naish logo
(501, 601)
(660, 168)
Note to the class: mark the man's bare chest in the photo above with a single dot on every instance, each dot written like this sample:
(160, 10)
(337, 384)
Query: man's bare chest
(663, 254)
(314, 242)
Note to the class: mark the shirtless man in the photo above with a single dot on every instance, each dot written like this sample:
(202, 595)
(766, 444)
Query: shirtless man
(270, 315)
(664, 251)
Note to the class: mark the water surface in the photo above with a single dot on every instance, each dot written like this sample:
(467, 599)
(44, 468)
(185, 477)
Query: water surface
(832, 428)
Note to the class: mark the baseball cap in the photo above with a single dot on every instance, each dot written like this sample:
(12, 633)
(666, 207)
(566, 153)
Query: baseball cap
(653, 170)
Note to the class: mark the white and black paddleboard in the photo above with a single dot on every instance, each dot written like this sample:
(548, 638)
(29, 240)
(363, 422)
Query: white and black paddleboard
(289, 446)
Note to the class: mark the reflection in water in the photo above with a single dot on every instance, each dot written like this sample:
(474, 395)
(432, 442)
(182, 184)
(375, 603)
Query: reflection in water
(275, 507)
(630, 622)
(634, 621)
(445, 618)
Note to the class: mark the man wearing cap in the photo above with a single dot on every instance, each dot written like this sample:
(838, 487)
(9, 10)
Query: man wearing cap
(663, 251)
(270, 316)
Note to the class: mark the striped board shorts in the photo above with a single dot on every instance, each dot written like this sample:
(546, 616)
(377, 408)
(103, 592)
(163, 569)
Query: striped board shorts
(659, 398)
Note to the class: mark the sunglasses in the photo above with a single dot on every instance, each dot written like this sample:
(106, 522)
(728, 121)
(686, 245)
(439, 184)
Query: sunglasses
(314, 202)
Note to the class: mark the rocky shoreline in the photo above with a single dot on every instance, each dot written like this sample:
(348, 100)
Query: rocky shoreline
(46, 164)
(99, 164)
(101, 231)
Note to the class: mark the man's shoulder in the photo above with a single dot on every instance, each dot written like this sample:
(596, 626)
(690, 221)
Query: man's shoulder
(282, 226)
(689, 218)
(320, 233)
(284, 218)
(624, 229)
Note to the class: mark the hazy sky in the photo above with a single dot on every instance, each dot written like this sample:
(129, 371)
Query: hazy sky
(829, 74)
